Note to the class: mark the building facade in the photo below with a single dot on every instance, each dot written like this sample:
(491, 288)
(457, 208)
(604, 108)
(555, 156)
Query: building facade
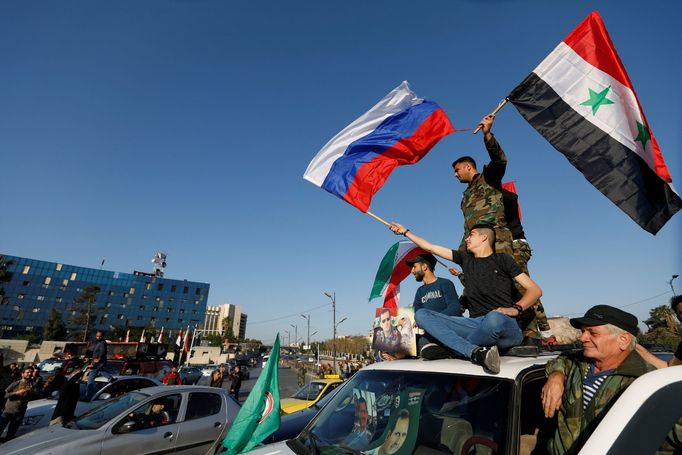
(33, 288)
(215, 317)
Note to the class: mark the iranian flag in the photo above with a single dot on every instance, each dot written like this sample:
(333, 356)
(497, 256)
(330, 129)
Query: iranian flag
(582, 101)
(392, 270)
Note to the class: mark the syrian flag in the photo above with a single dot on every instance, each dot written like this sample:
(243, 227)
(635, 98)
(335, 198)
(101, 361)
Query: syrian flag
(511, 187)
(582, 101)
(392, 270)
(160, 340)
(178, 342)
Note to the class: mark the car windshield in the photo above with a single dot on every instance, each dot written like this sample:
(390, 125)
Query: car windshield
(400, 413)
(102, 414)
(309, 391)
(50, 365)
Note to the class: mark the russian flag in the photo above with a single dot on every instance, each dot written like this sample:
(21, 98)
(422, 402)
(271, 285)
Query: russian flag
(400, 129)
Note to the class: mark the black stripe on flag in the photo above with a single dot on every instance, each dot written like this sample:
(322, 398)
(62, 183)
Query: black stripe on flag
(618, 172)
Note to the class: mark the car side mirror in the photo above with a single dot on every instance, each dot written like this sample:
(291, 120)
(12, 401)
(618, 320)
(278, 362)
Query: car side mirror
(104, 396)
(126, 428)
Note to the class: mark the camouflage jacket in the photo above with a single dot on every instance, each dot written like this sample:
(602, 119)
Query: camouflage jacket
(575, 425)
(482, 200)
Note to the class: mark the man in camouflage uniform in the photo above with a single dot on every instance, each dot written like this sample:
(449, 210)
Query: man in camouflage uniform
(583, 386)
(484, 201)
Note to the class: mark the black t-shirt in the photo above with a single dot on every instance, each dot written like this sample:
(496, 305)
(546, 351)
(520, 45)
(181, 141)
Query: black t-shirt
(489, 281)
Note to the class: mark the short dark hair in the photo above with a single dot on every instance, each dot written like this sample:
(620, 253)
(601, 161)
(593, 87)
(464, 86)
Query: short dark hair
(487, 229)
(385, 310)
(464, 159)
(674, 301)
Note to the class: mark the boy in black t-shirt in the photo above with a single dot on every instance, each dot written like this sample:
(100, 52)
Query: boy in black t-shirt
(490, 289)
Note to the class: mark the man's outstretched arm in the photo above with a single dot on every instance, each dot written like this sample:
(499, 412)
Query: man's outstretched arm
(399, 229)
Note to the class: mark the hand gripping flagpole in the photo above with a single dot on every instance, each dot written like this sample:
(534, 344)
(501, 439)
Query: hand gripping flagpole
(500, 106)
(381, 220)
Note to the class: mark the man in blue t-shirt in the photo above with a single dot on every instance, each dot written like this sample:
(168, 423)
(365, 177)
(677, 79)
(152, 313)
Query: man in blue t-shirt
(491, 293)
(437, 294)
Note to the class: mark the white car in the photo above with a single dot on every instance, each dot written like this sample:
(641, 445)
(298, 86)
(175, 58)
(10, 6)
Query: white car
(453, 406)
(39, 412)
(164, 419)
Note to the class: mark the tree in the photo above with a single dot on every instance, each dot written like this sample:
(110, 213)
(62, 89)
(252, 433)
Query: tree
(55, 328)
(84, 312)
(662, 327)
(214, 340)
(228, 332)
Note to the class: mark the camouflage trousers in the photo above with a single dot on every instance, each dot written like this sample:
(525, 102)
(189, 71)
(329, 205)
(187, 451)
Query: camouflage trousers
(534, 319)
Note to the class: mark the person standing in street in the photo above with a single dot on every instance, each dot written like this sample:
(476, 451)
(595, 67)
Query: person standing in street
(236, 382)
(17, 394)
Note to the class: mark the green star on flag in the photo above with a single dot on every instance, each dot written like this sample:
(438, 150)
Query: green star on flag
(643, 135)
(597, 99)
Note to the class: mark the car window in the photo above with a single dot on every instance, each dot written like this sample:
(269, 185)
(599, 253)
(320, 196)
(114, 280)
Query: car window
(202, 404)
(158, 412)
(50, 365)
(329, 389)
(407, 412)
(103, 413)
(309, 391)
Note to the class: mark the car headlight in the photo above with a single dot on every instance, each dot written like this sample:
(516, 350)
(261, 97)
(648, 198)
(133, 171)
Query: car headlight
(33, 420)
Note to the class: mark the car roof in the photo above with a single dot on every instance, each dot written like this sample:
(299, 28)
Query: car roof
(510, 366)
(327, 381)
(181, 388)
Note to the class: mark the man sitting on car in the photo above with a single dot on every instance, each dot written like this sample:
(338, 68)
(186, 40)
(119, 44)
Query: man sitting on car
(583, 386)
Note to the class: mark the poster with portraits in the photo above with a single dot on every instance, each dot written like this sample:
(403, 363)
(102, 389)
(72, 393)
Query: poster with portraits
(400, 434)
(393, 331)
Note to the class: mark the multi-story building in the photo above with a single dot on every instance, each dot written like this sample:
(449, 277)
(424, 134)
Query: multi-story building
(215, 318)
(135, 299)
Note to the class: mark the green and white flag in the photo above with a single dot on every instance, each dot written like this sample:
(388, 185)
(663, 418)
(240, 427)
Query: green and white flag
(259, 416)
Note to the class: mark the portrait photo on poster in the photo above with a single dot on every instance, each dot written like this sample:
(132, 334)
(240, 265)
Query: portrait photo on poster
(394, 331)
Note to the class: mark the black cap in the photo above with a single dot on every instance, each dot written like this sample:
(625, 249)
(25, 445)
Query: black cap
(605, 314)
(424, 257)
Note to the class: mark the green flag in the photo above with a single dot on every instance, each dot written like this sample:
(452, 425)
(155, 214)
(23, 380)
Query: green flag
(259, 416)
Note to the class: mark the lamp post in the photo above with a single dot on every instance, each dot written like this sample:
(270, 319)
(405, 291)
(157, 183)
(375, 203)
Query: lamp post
(332, 296)
(308, 319)
(289, 336)
(295, 333)
(337, 324)
(670, 282)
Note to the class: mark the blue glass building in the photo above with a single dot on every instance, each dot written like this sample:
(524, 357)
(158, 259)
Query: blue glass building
(125, 299)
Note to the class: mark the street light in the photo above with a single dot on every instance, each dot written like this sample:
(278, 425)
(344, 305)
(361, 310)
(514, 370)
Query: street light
(289, 336)
(332, 296)
(670, 282)
(295, 333)
(308, 318)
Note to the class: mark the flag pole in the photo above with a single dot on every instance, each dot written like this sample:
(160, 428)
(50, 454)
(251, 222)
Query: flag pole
(499, 106)
(379, 219)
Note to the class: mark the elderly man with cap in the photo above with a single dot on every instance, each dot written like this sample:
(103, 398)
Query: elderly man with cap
(583, 386)
(493, 307)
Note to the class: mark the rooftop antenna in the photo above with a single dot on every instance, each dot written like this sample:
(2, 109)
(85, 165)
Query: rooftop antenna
(159, 262)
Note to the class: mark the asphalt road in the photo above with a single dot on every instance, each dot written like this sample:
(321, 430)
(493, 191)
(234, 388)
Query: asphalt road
(287, 383)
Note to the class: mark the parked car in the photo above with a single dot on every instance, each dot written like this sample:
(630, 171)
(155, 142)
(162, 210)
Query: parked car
(39, 412)
(179, 419)
(190, 375)
(309, 394)
(454, 406)
(48, 367)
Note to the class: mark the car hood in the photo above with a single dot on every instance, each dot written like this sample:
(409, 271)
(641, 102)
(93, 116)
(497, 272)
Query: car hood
(272, 449)
(40, 440)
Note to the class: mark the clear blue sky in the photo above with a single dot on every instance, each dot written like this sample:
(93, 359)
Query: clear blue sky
(128, 127)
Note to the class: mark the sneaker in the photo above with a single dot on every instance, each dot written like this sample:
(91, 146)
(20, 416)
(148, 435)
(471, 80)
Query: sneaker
(487, 357)
(433, 351)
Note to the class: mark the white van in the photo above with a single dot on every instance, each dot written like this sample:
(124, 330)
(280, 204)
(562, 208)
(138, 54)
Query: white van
(265, 360)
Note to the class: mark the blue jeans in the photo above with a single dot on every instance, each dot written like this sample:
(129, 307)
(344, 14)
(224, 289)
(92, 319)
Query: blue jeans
(90, 390)
(463, 335)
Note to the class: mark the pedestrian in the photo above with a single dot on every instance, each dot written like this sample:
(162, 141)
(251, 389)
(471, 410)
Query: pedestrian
(172, 377)
(216, 379)
(17, 395)
(236, 382)
(300, 377)
(69, 395)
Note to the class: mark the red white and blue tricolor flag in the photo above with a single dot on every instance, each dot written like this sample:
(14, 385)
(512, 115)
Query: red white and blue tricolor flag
(400, 129)
(582, 101)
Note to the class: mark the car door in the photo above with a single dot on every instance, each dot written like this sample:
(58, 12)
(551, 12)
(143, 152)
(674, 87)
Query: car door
(205, 419)
(146, 436)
